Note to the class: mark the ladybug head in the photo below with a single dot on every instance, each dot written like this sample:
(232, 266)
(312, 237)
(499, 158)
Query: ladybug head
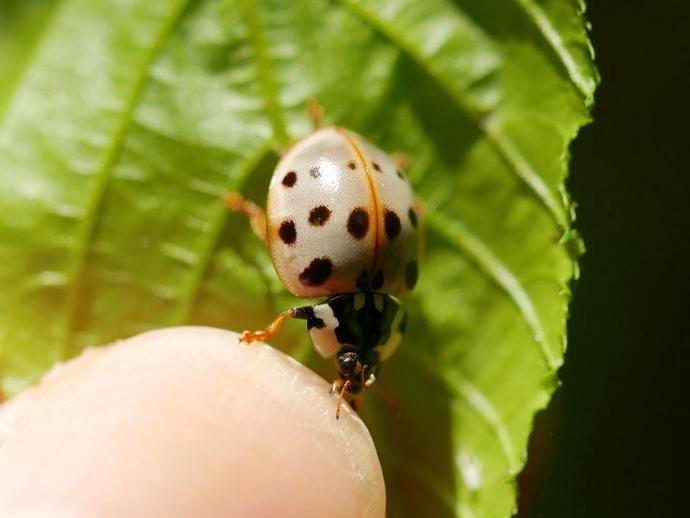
(357, 369)
(347, 363)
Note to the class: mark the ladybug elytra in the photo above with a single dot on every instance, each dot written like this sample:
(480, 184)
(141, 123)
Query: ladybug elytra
(341, 222)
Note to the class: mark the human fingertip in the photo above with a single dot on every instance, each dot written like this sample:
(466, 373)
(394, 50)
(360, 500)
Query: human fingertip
(208, 425)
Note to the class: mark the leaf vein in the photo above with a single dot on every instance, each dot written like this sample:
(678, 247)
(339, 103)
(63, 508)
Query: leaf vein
(218, 218)
(480, 404)
(103, 173)
(264, 71)
(460, 237)
(508, 152)
(553, 38)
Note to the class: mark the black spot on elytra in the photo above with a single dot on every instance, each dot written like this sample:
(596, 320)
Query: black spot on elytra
(289, 179)
(378, 281)
(317, 272)
(376, 166)
(358, 223)
(391, 223)
(411, 274)
(287, 232)
(314, 172)
(352, 165)
(319, 215)
(363, 281)
(413, 217)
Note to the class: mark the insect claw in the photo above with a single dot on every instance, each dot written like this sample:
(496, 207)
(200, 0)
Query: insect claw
(248, 337)
(268, 333)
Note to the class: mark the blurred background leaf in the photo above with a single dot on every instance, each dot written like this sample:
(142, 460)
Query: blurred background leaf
(122, 122)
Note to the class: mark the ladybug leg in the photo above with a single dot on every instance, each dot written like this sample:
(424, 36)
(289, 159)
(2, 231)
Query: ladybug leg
(257, 219)
(316, 112)
(366, 379)
(270, 331)
(391, 404)
(365, 383)
(362, 376)
(341, 398)
(355, 403)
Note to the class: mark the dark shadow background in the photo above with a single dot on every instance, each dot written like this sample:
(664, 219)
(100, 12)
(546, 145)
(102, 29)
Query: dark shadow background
(611, 443)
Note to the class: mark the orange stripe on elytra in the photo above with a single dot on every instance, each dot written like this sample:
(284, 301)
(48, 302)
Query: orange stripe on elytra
(374, 196)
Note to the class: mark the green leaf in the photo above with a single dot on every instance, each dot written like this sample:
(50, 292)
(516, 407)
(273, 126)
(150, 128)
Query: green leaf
(122, 122)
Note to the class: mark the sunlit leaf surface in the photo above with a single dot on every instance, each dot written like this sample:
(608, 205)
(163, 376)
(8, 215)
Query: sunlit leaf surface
(122, 121)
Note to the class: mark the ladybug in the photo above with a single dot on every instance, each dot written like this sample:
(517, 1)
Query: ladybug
(341, 222)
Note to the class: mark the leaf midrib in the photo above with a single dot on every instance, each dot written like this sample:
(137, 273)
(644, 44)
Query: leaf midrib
(103, 175)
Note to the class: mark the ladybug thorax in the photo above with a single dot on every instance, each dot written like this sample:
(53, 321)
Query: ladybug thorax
(368, 323)
(341, 218)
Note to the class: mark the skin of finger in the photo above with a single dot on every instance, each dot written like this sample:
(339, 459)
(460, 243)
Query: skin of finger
(185, 422)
